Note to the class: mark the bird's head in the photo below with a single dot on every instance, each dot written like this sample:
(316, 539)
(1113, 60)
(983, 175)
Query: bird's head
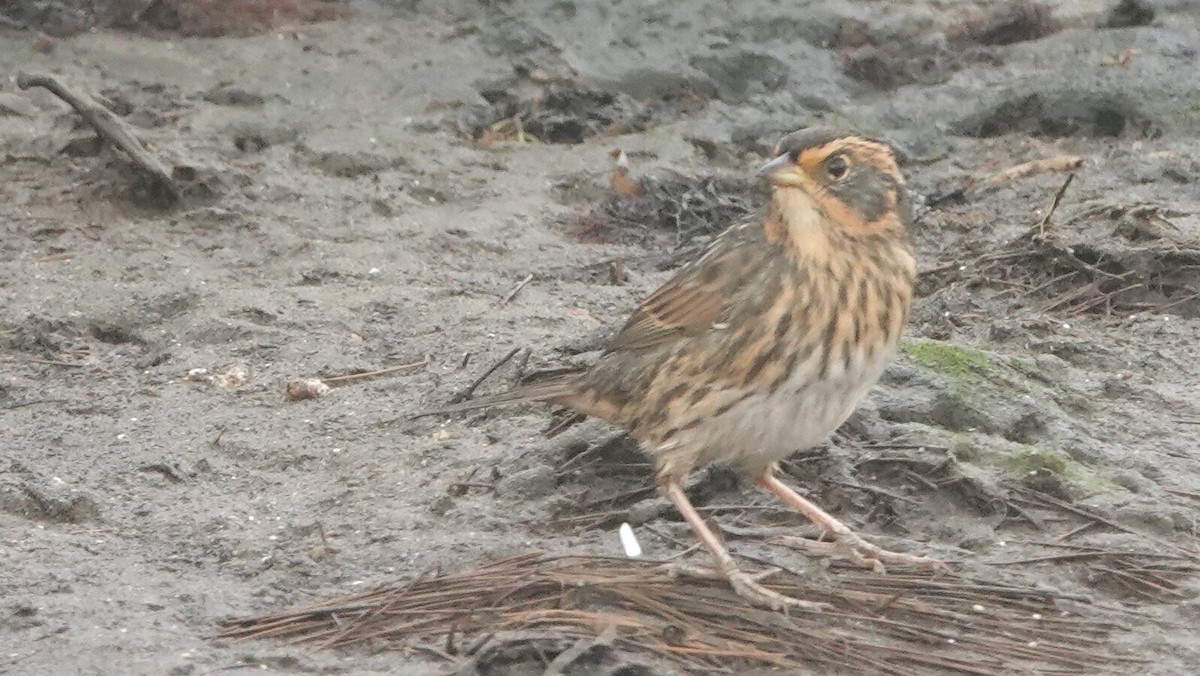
(835, 179)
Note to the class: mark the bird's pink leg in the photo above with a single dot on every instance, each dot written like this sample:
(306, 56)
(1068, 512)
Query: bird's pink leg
(860, 551)
(744, 584)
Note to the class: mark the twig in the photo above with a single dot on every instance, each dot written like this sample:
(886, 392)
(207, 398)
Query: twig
(931, 485)
(874, 490)
(581, 648)
(371, 374)
(1158, 309)
(51, 362)
(516, 289)
(1054, 204)
(1038, 496)
(35, 402)
(54, 258)
(901, 447)
(1032, 168)
(461, 486)
(563, 424)
(1033, 520)
(466, 394)
(110, 127)
(1074, 531)
(1179, 492)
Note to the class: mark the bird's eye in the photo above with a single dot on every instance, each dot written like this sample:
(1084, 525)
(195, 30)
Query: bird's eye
(837, 167)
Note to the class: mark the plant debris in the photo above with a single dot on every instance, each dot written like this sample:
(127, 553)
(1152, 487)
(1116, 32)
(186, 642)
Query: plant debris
(884, 624)
(674, 211)
(1073, 271)
(535, 106)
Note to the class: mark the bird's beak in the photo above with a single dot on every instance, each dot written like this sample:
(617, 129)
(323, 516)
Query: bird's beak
(780, 171)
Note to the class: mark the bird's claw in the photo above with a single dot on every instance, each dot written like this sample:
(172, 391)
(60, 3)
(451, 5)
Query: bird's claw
(748, 586)
(864, 554)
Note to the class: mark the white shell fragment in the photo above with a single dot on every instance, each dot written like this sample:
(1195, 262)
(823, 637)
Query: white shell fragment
(629, 541)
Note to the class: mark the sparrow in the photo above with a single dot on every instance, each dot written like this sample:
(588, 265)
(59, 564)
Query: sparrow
(764, 344)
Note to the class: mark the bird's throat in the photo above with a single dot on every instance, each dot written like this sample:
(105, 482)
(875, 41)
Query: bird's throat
(795, 221)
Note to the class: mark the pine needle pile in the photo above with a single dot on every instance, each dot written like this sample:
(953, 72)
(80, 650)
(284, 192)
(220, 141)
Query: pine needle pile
(896, 623)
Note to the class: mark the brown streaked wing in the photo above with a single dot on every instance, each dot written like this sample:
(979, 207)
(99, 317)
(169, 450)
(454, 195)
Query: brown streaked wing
(699, 294)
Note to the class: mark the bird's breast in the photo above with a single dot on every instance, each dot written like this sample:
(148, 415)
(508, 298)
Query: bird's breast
(786, 379)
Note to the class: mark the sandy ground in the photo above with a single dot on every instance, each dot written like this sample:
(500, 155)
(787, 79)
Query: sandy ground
(340, 217)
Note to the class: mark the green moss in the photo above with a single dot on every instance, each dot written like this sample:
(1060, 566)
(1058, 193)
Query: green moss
(1015, 462)
(973, 410)
(964, 450)
(963, 366)
(954, 361)
(1024, 460)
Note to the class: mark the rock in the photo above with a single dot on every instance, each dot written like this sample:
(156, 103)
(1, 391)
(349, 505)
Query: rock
(535, 482)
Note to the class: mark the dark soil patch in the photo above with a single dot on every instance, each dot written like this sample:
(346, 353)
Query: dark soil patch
(1129, 13)
(1007, 24)
(1061, 114)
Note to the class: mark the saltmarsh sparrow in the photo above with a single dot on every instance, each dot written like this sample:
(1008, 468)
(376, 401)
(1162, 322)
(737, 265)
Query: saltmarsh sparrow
(764, 344)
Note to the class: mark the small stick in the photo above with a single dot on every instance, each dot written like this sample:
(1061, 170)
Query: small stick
(567, 657)
(1074, 531)
(1054, 205)
(1033, 520)
(516, 289)
(462, 486)
(1038, 496)
(466, 394)
(51, 362)
(110, 127)
(371, 374)
(36, 402)
(1069, 163)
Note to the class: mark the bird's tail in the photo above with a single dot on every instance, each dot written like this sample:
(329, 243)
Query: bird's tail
(556, 390)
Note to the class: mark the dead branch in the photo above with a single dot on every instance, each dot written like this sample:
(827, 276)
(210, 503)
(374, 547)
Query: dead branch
(515, 290)
(1054, 204)
(110, 127)
(1026, 169)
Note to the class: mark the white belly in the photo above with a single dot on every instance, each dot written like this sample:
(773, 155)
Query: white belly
(765, 428)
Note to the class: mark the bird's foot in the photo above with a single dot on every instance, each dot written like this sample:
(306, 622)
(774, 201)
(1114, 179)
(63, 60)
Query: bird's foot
(754, 593)
(862, 553)
(749, 587)
(710, 573)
